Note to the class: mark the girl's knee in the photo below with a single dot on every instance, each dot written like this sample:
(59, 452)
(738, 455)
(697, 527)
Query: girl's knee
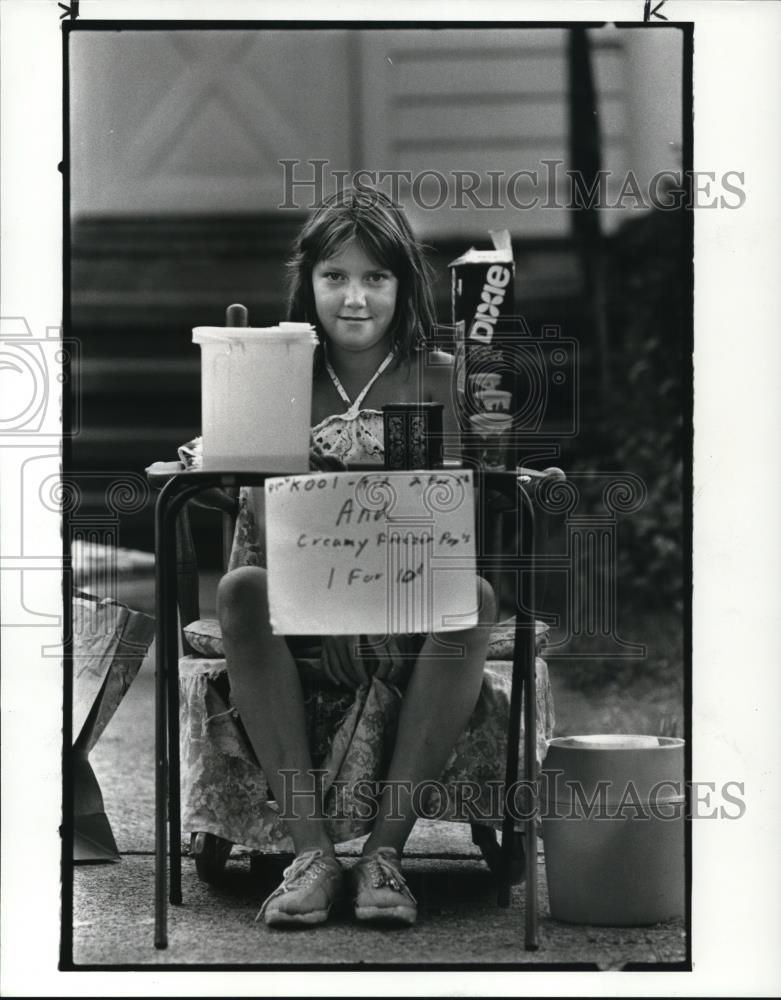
(242, 598)
(486, 602)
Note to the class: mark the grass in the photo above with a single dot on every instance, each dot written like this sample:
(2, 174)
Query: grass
(594, 694)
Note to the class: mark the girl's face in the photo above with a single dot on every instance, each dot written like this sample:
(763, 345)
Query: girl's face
(355, 298)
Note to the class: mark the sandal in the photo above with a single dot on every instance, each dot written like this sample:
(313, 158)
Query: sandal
(310, 886)
(380, 892)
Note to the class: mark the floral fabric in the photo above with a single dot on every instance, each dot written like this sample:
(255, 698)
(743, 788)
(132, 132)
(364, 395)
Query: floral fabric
(351, 733)
(351, 437)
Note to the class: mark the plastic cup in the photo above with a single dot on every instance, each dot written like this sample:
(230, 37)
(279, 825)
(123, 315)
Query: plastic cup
(495, 400)
(256, 396)
(492, 430)
(413, 435)
(485, 380)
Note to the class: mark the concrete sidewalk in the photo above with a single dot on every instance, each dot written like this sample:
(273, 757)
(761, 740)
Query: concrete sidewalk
(459, 922)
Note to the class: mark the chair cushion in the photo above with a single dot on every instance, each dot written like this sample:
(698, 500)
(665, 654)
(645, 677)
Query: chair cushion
(205, 638)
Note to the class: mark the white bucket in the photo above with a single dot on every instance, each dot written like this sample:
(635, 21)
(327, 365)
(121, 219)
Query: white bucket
(256, 396)
(613, 826)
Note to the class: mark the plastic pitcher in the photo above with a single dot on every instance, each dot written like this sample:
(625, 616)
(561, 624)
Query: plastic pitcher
(256, 396)
(613, 829)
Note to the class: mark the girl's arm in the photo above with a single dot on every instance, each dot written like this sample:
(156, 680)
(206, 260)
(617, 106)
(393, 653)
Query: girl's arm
(440, 387)
(249, 538)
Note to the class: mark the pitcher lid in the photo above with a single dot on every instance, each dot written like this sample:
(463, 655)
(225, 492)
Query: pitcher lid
(285, 332)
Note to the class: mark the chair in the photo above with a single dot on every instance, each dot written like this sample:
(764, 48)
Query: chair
(224, 791)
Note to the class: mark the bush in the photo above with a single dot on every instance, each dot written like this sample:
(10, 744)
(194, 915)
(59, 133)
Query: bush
(649, 324)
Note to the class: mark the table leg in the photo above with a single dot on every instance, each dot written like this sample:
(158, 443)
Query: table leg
(172, 498)
(511, 767)
(172, 701)
(161, 727)
(528, 593)
(524, 683)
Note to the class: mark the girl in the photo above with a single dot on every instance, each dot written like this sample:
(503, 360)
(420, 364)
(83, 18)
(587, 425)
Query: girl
(359, 277)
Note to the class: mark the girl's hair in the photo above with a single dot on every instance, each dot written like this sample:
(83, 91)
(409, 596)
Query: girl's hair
(382, 229)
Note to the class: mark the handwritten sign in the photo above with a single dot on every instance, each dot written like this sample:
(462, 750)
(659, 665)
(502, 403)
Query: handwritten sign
(375, 553)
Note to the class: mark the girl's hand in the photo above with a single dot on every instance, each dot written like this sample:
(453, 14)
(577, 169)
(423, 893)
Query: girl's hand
(319, 461)
(340, 664)
(391, 673)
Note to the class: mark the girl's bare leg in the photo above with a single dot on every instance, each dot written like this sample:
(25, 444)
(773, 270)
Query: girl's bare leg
(437, 705)
(266, 689)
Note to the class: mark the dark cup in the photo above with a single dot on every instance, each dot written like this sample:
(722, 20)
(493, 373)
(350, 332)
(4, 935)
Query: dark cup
(413, 435)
